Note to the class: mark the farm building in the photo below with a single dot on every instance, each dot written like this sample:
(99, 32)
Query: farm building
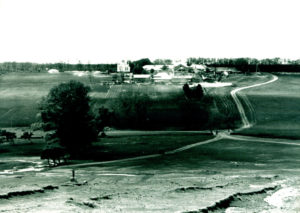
(141, 78)
(123, 67)
(162, 77)
(153, 67)
(198, 67)
(51, 71)
(226, 69)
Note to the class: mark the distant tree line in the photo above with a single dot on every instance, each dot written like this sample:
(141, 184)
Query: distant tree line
(162, 62)
(35, 67)
(251, 64)
(250, 61)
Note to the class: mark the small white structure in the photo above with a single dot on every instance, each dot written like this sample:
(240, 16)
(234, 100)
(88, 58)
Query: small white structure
(153, 67)
(53, 71)
(198, 67)
(162, 76)
(123, 67)
(226, 69)
(182, 76)
(141, 78)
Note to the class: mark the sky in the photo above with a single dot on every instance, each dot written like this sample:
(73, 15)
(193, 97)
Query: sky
(107, 31)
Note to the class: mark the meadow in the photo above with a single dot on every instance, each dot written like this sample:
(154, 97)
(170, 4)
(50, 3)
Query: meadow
(21, 94)
(276, 108)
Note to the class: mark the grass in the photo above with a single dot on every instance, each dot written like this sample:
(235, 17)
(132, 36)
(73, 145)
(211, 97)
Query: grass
(22, 148)
(113, 147)
(20, 93)
(227, 155)
(130, 146)
(276, 108)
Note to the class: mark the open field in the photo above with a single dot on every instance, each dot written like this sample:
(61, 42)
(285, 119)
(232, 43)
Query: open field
(21, 93)
(276, 108)
(230, 174)
(112, 147)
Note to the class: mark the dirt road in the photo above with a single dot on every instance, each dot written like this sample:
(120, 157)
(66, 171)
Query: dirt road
(246, 123)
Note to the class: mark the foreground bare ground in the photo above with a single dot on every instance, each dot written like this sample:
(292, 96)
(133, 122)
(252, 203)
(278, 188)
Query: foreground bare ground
(242, 177)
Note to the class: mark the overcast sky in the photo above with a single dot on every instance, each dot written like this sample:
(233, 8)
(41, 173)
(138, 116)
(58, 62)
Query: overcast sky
(98, 31)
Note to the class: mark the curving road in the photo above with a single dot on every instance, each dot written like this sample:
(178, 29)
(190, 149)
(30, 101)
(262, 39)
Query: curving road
(246, 123)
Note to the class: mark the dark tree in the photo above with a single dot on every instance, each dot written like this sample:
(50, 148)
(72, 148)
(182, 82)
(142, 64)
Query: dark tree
(66, 110)
(165, 67)
(55, 152)
(103, 119)
(194, 114)
(137, 66)
(194, 92)
(131, 110)
(241, 64)
(199, 91)
(10, 136)
(187, 90)
(115, 78)
(27, 136)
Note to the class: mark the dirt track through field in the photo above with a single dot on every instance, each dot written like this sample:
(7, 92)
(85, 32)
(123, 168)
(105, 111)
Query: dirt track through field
(181, 149)
(246, 123)
(217, 138)
(262, 140)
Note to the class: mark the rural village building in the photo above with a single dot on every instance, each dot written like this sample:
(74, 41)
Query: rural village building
(123, 67)
(153, 67)
(141, 78)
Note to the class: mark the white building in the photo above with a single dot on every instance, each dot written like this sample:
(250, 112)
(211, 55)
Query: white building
(123, 67)
(198, 67)
(153, 67)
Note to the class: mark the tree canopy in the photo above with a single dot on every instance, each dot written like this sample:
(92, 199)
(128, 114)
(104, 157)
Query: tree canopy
(137, 66)
(66, 110)
(131, 110)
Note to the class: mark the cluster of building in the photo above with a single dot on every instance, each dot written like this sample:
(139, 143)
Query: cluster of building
(179, 72)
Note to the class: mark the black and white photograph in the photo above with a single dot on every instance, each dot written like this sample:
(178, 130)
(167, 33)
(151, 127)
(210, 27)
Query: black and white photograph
(139, 106)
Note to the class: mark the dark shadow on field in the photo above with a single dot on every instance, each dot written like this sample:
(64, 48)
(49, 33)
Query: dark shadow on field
(276, 108)
(223, 155)
(121, 147)
(276, 117)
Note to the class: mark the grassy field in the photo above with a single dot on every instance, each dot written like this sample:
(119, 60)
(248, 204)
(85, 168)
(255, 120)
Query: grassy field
(276, 108)
(20, 94)
(113, 147)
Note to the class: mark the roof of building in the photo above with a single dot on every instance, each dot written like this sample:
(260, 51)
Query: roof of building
(141, 76)
(162, 75)
(154, 67)
(198, 66)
